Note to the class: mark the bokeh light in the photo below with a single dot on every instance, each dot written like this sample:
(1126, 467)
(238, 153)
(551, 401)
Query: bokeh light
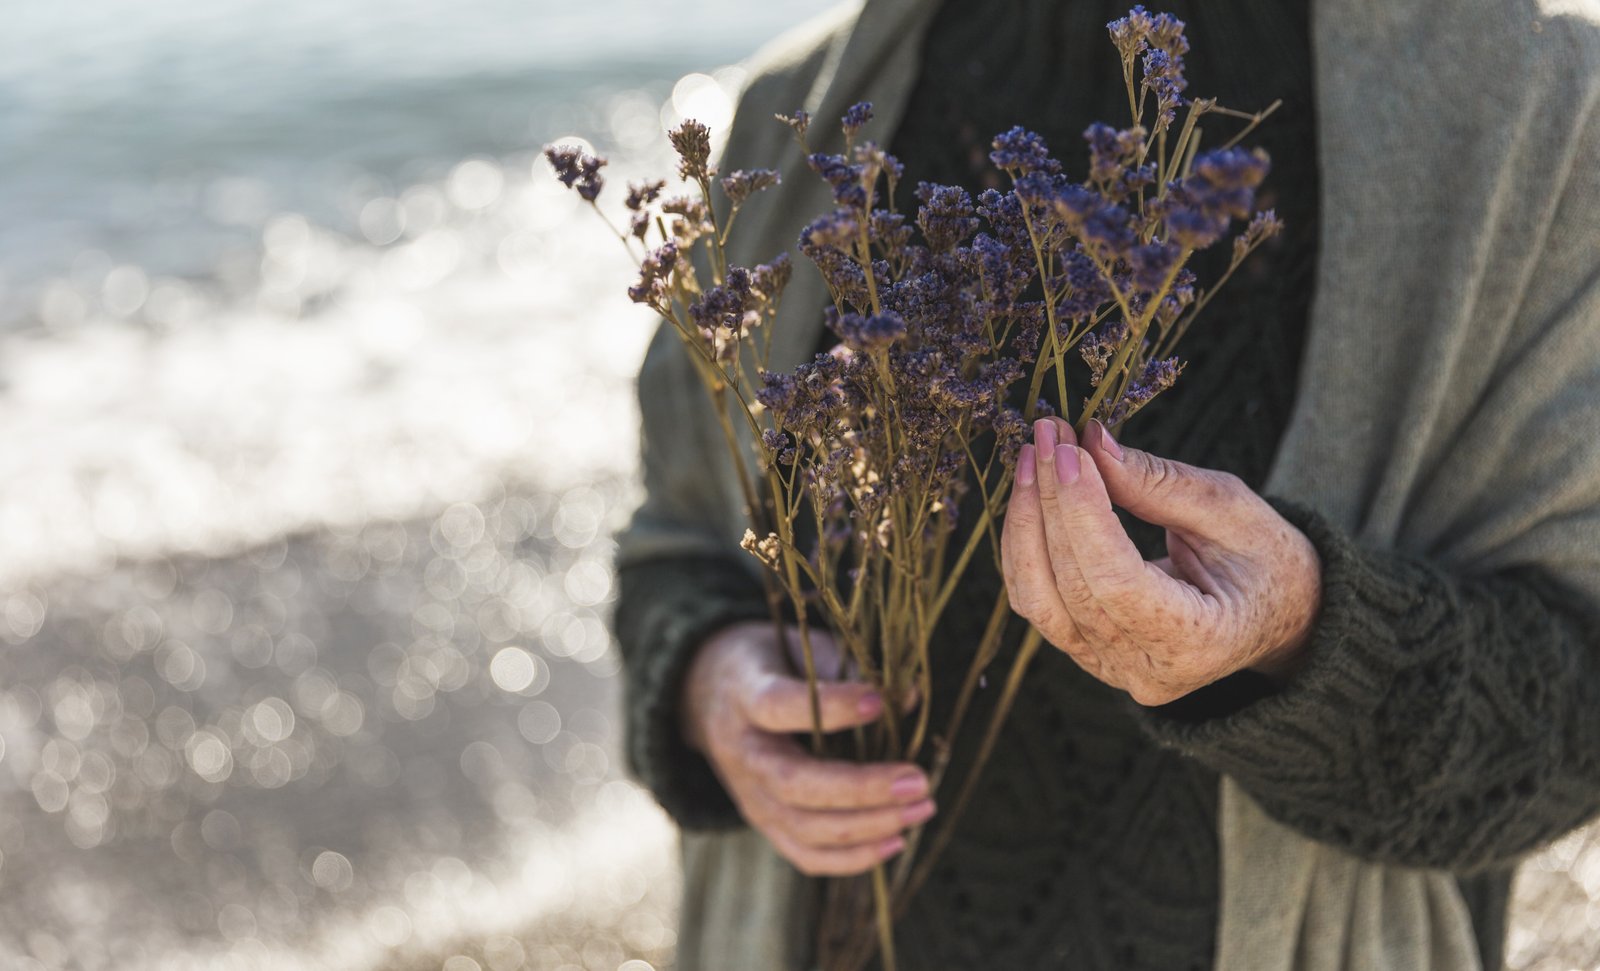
(315, 420)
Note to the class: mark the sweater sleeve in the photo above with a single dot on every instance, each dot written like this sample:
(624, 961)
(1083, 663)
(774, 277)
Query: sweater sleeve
(665, 609)
(1439, 720)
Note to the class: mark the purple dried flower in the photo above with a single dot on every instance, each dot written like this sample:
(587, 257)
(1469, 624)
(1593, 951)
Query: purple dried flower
(1263, 226)
(1100, 347)
(845, 178)
(1152, 263)
(1087, 289)
(1233, 168)
(768, 280)
(780, 445)
(1020, 150)
(946, 216)
(1130, 34)
(653, 273)
(868, 333)
(1163, 77)
(1108, 232)
(693, 221)
(1156, 377)
(835, 230)
(874, 161)
(1111, 151)
(692, 141)
(641, 194)
(577, 169)
(1166, 32)
(889, 230)
(742, 184)
(1189, 226)
(799, 123)
(856, 118)
(1221, 187)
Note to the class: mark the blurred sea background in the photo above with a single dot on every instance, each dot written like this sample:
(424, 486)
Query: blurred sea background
(315, 416)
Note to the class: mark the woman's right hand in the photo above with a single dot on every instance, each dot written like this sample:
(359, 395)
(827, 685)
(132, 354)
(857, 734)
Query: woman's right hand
(743, 708)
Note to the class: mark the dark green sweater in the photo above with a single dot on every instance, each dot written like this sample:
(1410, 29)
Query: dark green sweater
(1441, 720)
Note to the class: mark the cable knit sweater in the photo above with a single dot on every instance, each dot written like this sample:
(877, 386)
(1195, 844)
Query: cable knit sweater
(1429, 699)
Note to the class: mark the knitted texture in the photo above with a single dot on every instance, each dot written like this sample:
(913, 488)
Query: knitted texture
(664, 611)
(1423, 730)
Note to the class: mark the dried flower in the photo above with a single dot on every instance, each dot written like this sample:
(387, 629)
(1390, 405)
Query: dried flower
(653, 273)
(641, 194)
(692, 141)
(741, 185)
(1020, 150)
(799, 123)
(577, 169)
(768, 549)
(856, 118)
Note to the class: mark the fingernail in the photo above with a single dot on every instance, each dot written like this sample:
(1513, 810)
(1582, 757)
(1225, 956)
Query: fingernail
(1066, 464)
(1044, 434)
(1026, 466)
(870, 706)
(918, 813)
(1110, 444)
(909, 786)
(891, 846)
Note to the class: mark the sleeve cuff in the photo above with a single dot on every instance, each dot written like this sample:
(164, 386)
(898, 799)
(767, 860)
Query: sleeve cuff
(1289, 739)
(666, 609)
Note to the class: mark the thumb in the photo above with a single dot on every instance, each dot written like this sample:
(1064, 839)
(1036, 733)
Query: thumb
(1196, 501)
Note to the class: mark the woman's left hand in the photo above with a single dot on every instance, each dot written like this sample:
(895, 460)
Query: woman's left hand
(1239, 588)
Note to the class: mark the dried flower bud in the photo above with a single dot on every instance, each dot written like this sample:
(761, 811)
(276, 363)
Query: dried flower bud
(653, 273)
(767, 549)
(692, 141)
(1131, 34)
(1263, 227)
(856, 118)
(869, 333)
(768, 280)
(577, 169)
(799, 123)
(1020, 150)
(641, 194)
(742, 184)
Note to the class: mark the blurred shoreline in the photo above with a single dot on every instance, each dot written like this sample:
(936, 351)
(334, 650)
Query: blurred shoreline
(315, 417)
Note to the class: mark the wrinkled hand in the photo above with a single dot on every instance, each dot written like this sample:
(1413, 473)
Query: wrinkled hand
(743, 709)
(1239, 588)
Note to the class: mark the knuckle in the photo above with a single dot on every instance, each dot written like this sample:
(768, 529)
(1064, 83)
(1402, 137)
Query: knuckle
(1159, 474)
(1118, 587)
(1222, 488)
(1029, 603)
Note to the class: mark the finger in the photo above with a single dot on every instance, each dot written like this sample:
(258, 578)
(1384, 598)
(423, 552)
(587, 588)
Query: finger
(835, 862)
(794, 777)
(1199, 501)
(845, 828)
(1025, 564)
(1024, 557)
(781, 703)
(1096, 563)
(1085, 531)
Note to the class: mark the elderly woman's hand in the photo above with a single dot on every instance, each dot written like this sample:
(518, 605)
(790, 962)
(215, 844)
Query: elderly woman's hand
(1239, 588)
(743, 709)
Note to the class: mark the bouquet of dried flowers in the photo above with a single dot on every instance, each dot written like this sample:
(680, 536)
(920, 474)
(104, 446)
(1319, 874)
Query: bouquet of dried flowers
(955, 328)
